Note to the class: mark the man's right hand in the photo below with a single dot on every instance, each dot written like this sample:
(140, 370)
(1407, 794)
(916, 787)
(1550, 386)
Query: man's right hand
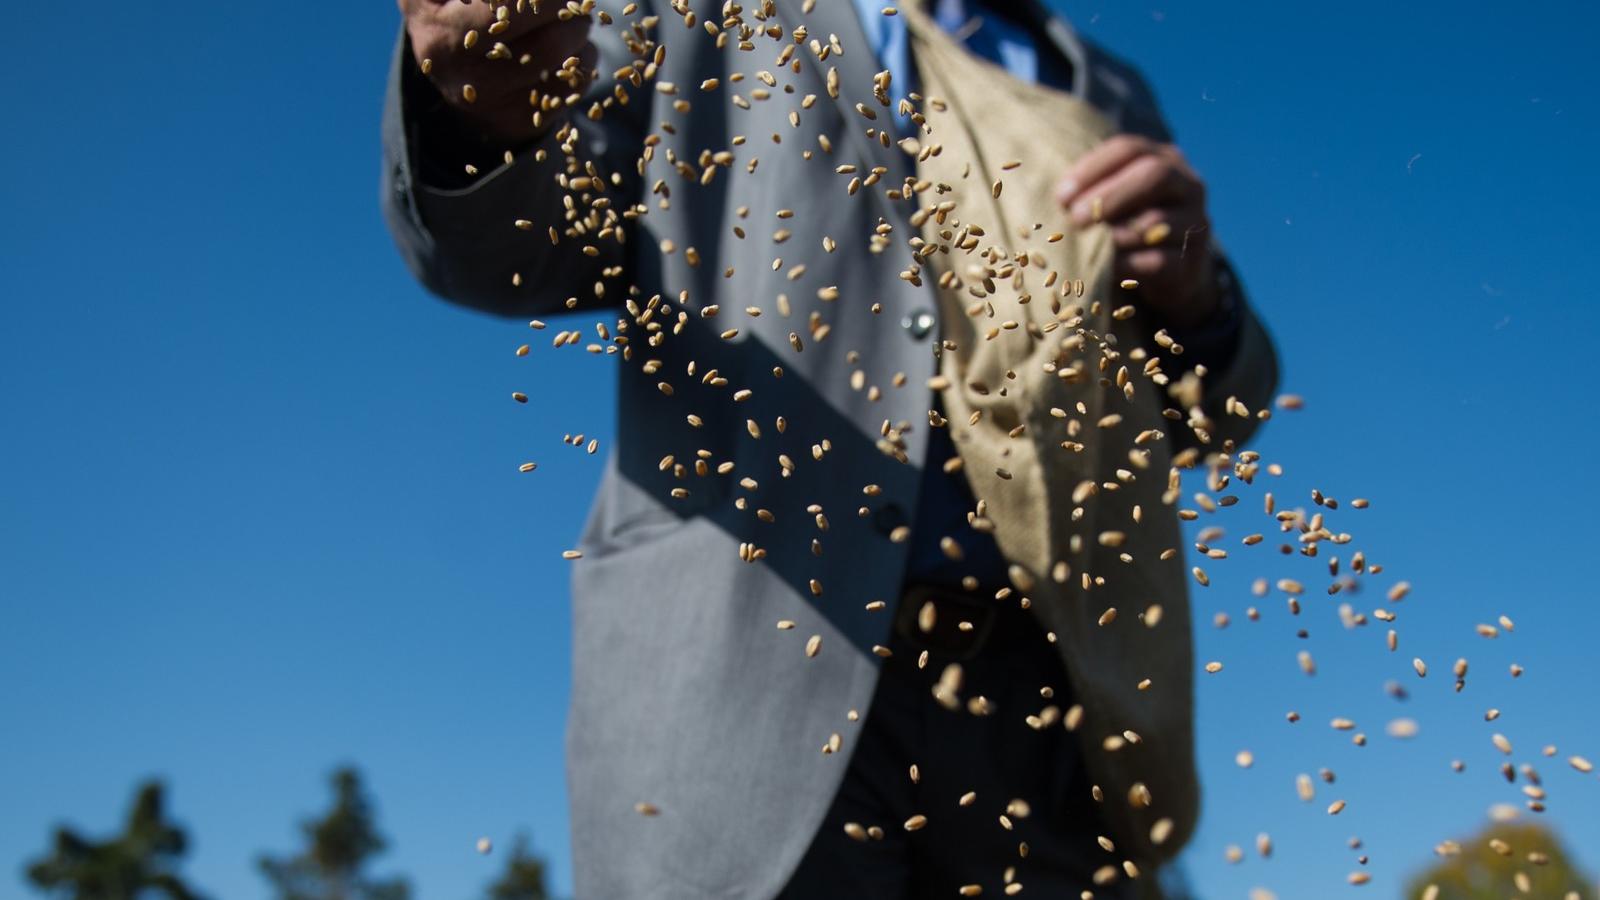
(488, 88)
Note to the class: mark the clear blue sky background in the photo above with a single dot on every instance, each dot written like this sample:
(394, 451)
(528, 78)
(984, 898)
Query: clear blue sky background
(259, 507)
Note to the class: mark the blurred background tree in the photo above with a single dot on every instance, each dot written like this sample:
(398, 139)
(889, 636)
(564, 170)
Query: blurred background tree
(523, 878)
(137, 864)
(141, 862)
(1506, 860)
(338, 847)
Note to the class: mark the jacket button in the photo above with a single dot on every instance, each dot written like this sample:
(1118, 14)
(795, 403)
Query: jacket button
(889, 517)
(920, 323)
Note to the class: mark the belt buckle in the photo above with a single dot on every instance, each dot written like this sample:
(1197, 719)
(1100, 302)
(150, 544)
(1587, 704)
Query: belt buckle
(946, 636)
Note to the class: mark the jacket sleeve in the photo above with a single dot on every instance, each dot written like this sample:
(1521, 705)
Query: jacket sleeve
(462, 241)
(1246, 369)
(1248, 375)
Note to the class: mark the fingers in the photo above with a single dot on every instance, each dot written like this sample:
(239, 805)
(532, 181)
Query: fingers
(1147, 263)
(1127, 175)
(1148, 180)
(514, 66)
(1111, 155)
(530, 61)
(460, 16)
(1184, 227)
(440, 30)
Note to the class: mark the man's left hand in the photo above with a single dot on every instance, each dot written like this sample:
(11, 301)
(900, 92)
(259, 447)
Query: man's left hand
(1155, 205)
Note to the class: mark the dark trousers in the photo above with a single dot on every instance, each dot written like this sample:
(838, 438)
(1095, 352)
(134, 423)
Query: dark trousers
(998, 757)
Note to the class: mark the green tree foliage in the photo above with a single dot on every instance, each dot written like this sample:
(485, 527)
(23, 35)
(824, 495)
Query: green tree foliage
(339, 846)
(523, 878)
(1505, 860)
(135, 865)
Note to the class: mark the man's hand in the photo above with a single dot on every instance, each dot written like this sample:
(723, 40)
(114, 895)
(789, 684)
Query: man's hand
(491, 84)
(1155, 205)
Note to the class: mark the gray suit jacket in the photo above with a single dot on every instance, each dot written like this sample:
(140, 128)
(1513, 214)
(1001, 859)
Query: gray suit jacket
(685, 695)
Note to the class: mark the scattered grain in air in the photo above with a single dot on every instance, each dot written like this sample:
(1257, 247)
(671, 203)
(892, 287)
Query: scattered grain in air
(1402, 728)
(572, 554)
(1213, 667)
(1129, 284)
(855, 831)
(485, 845)
(527, 467)
(1305, 787)
(646, 809)
(519, 396)
(1359, 878)
(971, 890)
(1245, 759)
(785, 625)
(1336, 807)
(1501, 743)
(813, 645)
(1160, 831)
(1420, 667)
(1581, 764)
(1290, 401)
(916, 822)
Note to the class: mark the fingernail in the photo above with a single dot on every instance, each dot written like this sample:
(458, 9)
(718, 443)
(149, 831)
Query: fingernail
(1065, 189)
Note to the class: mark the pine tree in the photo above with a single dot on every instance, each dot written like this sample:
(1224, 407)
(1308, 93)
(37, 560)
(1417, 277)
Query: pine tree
(339, 846)
(523, 878)
(132, 866)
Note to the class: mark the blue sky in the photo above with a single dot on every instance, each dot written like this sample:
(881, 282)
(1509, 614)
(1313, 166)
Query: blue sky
(260, 514)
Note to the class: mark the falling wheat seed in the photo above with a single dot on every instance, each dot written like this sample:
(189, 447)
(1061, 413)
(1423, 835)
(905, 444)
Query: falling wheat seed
(1308, 533)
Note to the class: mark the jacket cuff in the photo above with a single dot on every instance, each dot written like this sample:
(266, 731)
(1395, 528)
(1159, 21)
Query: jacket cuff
(1215, 342)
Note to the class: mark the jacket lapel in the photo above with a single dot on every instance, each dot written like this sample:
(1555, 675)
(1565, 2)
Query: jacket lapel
(857, 65)
(1061, 36)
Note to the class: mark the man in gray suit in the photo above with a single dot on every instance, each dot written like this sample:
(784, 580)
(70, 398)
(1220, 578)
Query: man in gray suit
(782, 467)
